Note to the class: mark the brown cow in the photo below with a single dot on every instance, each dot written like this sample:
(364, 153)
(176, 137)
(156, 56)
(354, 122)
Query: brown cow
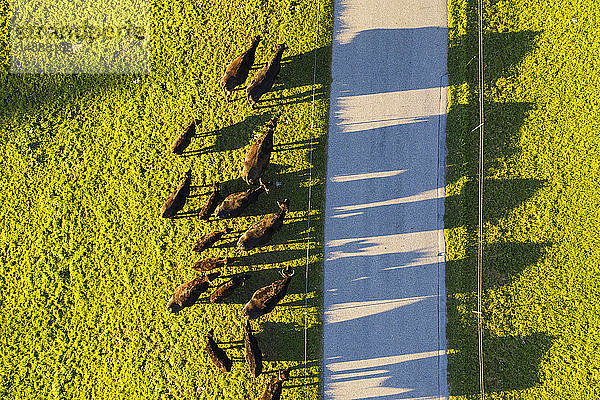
(252, 351)
(237, 72)
(184, 139)
(264, 300)
(265, 77)
(176, 200)
(209, 239)
(211, 203)
(261, 232)
(258, 157)
(216, 354)
(226, 289)
(208, 264)
(186, 294)
(275, 385)
(235, 203)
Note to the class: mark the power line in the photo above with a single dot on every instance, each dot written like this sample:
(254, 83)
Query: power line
(480, 199)
(312, 127)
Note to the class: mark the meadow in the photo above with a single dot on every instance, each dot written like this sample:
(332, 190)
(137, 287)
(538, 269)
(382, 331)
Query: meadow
(87, 264)
(541, 204)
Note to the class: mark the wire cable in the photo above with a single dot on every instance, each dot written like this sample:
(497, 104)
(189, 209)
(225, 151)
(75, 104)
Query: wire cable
(312, 127)
(480, 199)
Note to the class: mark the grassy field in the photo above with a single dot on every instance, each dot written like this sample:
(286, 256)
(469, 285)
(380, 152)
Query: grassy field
(542, 219)
(87, 265)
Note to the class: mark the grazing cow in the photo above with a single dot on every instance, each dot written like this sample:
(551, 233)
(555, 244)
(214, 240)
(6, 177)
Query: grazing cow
(264, 79)
(216, 354)
(209, 239)
(274, 386)
(208, 264)
(235, 203)
(186, 295)
(258, 157)
(176, 200)
(226, 289)
(264, 300)
(184, 139)
(261, 232)
(237, 72)
(211, 203)
(252, 351)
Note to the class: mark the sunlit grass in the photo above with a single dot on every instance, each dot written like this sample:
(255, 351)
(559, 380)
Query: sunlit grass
(542, 226)
(87, 264)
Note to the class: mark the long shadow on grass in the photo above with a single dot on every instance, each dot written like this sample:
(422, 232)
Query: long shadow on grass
(500, 197)
(232, 137)
(503, 52)
(510, 363)
(503, 122)
(277, 341)
(259, 279)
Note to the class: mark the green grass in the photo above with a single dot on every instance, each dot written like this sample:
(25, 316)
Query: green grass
(87, 265)
(542, 200)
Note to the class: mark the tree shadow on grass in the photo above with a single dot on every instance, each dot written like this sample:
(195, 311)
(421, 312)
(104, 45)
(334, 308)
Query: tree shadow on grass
(510, 363)
(500, 197)
(501, 137)
(503, 262)
(503, 52)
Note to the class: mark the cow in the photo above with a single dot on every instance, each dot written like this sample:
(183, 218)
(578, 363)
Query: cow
(176, 200)
(184, 139)
(186, 294)
(235, 203)
(211, 203)
(208, 264)
(216, 354)
(237, 71)
(261, 232)
(252, 352)
(209, 239)
(275, 385)
(258, 157)
(264, 300)
(265, 77)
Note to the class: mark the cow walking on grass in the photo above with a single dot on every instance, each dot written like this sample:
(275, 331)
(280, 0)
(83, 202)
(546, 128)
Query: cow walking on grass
(264, 300)
(261, 232)
(211, 203)
(176, 200)
(209, 239)
(275, 386)
(216, 354)
(252, 352)
(258, 157)
(235, 203)
(265, 77)
(185, 295)
(237, 71)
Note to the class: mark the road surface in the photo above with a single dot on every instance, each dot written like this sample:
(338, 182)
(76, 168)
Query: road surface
(384, 302)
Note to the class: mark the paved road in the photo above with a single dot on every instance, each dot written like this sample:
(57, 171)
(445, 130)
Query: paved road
(384, 248)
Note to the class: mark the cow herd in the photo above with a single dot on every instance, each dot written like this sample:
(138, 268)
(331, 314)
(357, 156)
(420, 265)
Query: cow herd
(257, 160)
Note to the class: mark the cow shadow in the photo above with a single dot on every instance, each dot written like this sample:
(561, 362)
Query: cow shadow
(231, 137)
